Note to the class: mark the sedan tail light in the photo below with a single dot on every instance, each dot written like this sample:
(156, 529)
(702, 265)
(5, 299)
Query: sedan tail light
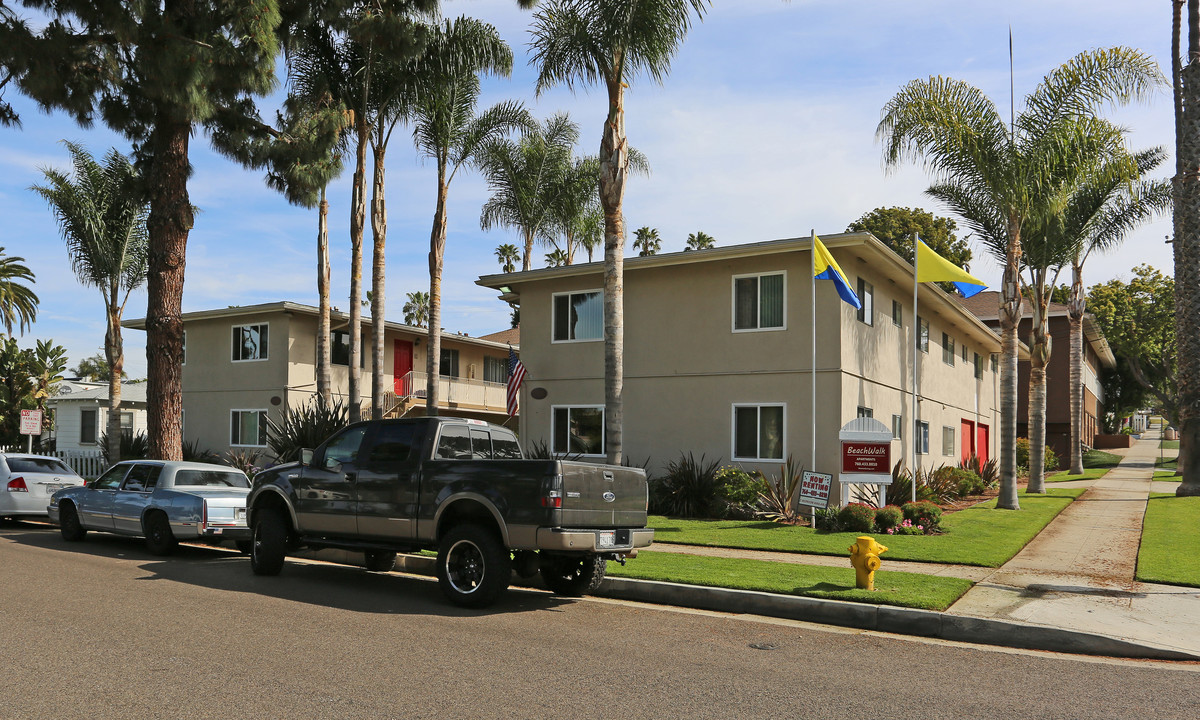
(17, 485)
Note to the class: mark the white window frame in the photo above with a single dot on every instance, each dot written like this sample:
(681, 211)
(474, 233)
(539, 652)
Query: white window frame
(948, 435)
(264, 352)
(897, 313)
(921, 439)
(183, 349)
(897, 427)
(603, 428)
(95, 428)
(866, 298)
(758, 309)
(733, 432)
(553, 318)
(263, 420)
(948, 349)
(923, 323)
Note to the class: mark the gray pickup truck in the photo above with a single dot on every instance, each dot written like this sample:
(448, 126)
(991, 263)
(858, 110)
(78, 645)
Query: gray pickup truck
(461, 487)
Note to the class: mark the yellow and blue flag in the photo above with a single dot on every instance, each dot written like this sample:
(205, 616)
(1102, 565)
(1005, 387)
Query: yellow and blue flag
(826, 268)
(932, 267)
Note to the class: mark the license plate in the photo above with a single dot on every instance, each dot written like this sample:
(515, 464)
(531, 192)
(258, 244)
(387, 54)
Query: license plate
(608, 538)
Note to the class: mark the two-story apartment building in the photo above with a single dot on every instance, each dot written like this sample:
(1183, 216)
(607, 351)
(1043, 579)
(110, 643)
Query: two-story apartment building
(243, 364)
(1097, 356)
(718, 352)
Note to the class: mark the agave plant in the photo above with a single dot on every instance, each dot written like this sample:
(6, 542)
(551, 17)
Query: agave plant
(306, 427)
(779, 501)
(690, 488)
(133, 447)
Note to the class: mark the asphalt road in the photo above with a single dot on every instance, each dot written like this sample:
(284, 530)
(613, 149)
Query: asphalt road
(102, 629)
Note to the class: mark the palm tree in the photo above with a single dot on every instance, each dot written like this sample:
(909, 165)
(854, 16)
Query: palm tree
(508, 255)
(609, 42)
(1108, 205)
(1186, 246)
(525, 178)
(49, 362)
(997, 175)
(699, 241)
(101, 214)
(646, 241)
(590, 229)
(447, 130)
(18, 303)
(416, 310)
(557, 258)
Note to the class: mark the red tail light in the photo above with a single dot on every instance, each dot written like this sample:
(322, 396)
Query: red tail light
(553, 500)
(17, 485)
(203, 516)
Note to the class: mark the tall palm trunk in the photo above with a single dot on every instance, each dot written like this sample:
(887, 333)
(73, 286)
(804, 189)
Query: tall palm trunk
(1075, 309)
(527, 263)
(1187, 248)
(1010, 319)
(115, 354)
(358, 217)
(1039, 358)
(169, 222)
(378, 264)
(437, 251)
(614, 162)
(324, 355)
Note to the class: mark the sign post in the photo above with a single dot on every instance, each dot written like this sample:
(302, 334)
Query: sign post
(866, 456)
(31, 424)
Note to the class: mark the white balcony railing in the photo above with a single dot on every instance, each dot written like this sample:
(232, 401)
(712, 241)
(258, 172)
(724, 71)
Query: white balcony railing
(459, 391)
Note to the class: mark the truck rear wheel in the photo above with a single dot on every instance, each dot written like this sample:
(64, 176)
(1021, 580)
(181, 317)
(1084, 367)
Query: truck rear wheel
(473, 566)
(267, 550)
(573, 575)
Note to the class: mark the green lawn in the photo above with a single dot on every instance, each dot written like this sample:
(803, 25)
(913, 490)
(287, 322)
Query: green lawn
(1169, 444)
(979, 535)
(1096, 464)
(891, 588)
(1167, 464)
(1170, 535)
(1167, 475)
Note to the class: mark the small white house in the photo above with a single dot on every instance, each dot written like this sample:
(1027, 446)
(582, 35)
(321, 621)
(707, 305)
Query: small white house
(81, 414)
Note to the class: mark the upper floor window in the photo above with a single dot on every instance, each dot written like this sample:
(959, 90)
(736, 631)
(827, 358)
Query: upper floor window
(897, 313)
(339, 348)
(758, 301)
(866, 294)
(249, 342)
(947, 349)
(922, 334)
(495, 369)
(448, 367)
(183, 349)
(865, 412)
(578, 316)
(978, 367)
(964, 353)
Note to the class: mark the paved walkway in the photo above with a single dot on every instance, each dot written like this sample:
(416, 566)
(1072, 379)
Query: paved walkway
(1077, 574)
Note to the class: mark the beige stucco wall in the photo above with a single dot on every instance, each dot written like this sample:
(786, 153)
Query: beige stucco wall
(686, 368)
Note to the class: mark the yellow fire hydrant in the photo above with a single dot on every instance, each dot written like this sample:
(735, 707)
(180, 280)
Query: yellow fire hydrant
(864, 556)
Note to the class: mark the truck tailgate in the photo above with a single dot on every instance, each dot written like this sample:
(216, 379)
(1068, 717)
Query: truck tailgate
(602, 496)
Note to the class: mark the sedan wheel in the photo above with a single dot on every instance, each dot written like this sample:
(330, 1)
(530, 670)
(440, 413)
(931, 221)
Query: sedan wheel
(159, 539)
(70, 527)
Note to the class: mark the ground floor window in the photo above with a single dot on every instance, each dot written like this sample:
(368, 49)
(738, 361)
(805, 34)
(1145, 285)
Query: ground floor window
(947, 440)
(758, 432)
(88, 421)
(922, 437)
(248, 428)
(897, 427)
(579, 429)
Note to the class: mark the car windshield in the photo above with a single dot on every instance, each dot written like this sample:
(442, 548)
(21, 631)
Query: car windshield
(36, 465)
(220, 478)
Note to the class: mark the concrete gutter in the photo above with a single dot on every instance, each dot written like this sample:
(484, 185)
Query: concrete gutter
(863, 616)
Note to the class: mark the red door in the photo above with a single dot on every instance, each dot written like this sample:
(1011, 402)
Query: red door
(983, 443)
(968, 440)
(402, 365)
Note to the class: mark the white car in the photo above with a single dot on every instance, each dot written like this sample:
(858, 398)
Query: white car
(28, 481)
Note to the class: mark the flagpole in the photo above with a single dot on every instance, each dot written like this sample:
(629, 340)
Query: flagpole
(812, 279)
(916, 340)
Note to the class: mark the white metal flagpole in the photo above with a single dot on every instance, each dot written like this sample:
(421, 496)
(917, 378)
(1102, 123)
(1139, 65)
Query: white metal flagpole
(916, 321)
(812, 281)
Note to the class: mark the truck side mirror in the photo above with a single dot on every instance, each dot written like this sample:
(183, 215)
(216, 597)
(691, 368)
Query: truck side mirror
(306, 455)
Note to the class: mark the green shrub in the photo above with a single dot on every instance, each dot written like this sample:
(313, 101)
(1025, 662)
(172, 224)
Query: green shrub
(541, 451)
(888, 517)
(689, 489)
(193, 453)
(305, 427)
(857, 517)
(244, 460)
(826, 520)
(1050, 458)
(955, 482)
(923, 513)
(133, 447)
(739, 491)
(988, 472)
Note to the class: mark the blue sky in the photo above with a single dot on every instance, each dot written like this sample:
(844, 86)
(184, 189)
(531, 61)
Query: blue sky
(764, 129)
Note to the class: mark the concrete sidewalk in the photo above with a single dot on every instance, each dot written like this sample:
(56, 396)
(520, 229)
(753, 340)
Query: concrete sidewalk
(1078, 573)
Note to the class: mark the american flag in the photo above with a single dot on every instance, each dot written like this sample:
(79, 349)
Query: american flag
(516, 376)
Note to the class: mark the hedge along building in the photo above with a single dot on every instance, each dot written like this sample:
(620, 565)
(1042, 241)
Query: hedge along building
(718, 358)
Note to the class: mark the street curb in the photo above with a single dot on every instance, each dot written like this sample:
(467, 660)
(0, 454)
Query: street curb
(863, 616)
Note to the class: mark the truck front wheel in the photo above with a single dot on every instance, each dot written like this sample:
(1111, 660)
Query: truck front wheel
(473, 566)
(267, 550)
(572, 575)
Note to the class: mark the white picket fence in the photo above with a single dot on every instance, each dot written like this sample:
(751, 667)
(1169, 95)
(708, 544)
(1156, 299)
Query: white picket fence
(88, 463)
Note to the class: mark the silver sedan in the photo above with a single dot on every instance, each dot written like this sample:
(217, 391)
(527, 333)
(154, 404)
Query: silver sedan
(162, 501)
(28, 481)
